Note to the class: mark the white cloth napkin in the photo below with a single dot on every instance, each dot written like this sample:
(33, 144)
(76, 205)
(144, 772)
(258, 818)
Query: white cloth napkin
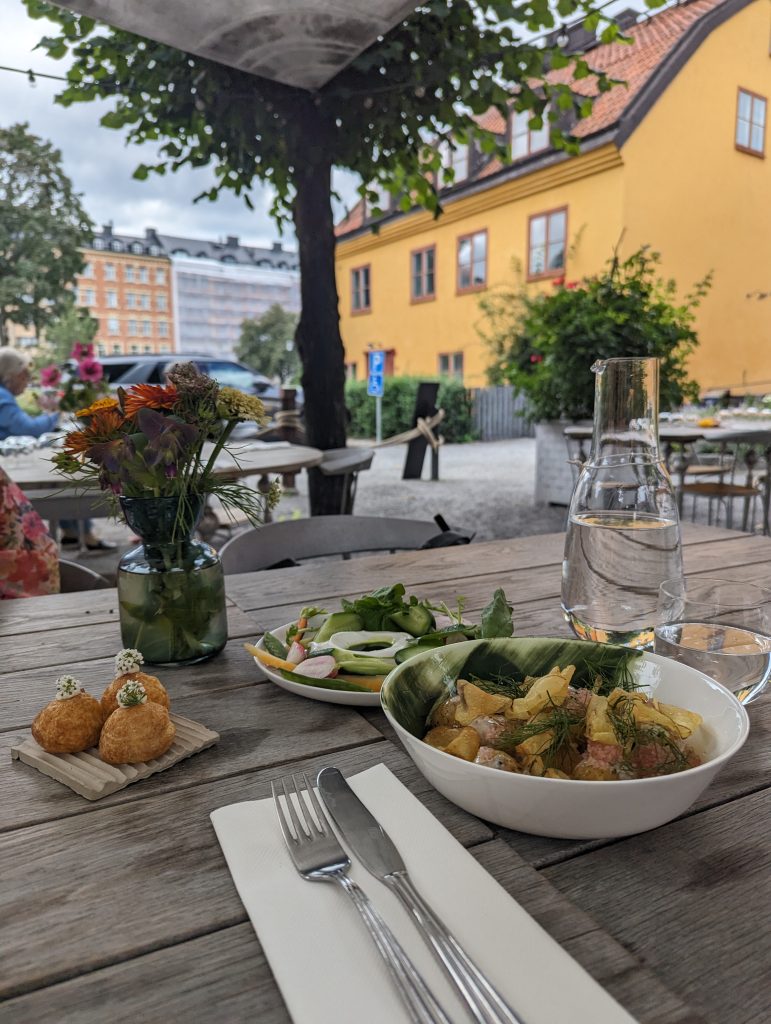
(324, 962)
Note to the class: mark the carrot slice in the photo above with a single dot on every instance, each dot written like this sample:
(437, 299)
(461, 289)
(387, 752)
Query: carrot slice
(270, 660)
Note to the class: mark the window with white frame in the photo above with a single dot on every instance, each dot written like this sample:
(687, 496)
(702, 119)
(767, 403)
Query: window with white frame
(147, 328)
(546, 243)
(144, 301)
(113, 325)
(160, 275)
(361, 295)
(161, 302)
(99, 243)
(117, 349)
(132, 328)
(144, 275)
(451, 364)
(472, 262)
(88, 270)
(526, 140)
(135, 350)
(751, 122)
(109, 272)
(163, 329)
(131, 300)
(422, 276)
(111, 300)
(128, 272)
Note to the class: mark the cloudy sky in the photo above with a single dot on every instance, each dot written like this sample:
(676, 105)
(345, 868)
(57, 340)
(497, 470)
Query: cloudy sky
(100, 163)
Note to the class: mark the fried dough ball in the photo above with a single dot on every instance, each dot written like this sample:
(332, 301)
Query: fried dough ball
(71, 722)
(128, 668)
(138, 730)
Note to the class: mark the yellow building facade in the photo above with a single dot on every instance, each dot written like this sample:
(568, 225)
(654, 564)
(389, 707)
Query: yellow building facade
(680, 163)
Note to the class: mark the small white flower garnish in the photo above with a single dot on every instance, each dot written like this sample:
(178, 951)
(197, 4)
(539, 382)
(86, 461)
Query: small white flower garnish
(68, 686)
(128, 660)
(131, 693)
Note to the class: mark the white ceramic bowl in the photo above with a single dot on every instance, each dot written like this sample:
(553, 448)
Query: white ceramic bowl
(561, 808)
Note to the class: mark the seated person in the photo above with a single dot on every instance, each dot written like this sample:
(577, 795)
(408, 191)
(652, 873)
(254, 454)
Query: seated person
(29, 557)
(14, 378)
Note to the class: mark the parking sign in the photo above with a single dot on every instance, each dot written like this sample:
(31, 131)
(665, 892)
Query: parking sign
(375, 384)
(376, 362)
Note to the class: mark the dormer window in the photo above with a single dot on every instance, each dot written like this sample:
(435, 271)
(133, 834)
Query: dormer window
(154, 250)
(455, 157)
(99, 243)
(136, 247)
(526, 140)
(116, 246)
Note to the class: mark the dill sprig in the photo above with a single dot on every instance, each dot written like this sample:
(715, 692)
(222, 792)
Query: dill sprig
(632, 736)
(560, 720)
(500, 685)
(607, 672)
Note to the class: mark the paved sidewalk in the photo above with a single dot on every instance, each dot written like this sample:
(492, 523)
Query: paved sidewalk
(486, 487)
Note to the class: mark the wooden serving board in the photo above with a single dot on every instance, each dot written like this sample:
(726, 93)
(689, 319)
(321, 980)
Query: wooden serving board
(90, 777)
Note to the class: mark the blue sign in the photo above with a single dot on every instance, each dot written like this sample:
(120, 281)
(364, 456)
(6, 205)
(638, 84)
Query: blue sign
(376, 363)
(375, 384)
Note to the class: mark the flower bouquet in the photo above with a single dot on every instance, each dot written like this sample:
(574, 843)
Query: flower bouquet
(153, 450)
(82, 386)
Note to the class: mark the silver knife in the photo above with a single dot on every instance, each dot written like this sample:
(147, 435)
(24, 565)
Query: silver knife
(374, 848)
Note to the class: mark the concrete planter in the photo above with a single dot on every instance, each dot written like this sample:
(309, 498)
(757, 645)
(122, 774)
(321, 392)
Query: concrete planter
(554, 476)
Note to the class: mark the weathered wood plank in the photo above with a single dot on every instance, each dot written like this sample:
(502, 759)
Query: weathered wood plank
(681, 901)
(124, 880)
(252, 723)
(224, 976)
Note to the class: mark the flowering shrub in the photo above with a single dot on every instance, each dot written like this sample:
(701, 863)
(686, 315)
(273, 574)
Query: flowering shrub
(545, 344)
(149, 441)
(83, 385)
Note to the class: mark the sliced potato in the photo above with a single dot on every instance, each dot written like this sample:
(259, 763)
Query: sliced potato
(598, 725)
(686, 722)
(549, 689)
(440, 736)
(465, 745)
(475, 702)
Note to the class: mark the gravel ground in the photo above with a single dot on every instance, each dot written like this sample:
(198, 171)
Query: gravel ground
(485, 487)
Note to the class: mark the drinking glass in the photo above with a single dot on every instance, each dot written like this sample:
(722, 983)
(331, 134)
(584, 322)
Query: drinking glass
(720, 627)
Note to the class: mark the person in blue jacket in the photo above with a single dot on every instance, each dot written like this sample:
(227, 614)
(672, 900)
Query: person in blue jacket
(14, 421)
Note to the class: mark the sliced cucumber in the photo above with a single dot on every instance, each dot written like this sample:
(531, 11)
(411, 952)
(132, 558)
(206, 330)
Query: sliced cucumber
(327, 684)
(364, 666)
(336, 622)
(415, 620)
(409, 652)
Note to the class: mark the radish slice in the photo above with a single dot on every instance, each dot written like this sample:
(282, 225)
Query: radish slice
(322, 667)
(296, 654)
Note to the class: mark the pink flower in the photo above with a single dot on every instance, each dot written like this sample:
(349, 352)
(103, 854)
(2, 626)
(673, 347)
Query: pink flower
(50, 376)
(571, 285)
(81, 351)
(90, 370)
(535, 358)
(558, 282)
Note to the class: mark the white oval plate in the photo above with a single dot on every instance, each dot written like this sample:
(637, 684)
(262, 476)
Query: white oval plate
(323, 693)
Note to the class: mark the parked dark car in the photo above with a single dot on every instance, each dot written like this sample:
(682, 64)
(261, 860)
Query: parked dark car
(151, 369)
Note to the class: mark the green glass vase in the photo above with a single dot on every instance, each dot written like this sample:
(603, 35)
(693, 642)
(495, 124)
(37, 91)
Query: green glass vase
(171, 590)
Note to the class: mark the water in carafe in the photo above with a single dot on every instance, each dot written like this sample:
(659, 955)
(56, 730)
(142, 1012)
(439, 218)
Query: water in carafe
(623, 536)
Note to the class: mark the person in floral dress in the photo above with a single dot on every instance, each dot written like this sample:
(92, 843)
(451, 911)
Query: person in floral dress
(29, 556)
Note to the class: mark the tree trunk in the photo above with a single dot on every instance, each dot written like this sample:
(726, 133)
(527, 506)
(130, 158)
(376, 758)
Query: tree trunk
(317, 337)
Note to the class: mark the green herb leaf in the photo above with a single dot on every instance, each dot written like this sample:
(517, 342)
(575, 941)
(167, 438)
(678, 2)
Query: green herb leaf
(497, 617)
(274, 646)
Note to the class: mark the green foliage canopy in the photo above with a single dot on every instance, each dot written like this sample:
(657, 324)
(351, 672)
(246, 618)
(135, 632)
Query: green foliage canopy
(42, 226)
(74, 324)
(398, 408)
(545, 344)
(425, 81)
(267, 346)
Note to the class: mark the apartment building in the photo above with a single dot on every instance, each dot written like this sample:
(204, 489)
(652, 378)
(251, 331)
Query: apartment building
(126, 285)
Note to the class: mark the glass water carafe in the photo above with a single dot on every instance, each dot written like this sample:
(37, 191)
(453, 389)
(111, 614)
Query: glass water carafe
(623, 535)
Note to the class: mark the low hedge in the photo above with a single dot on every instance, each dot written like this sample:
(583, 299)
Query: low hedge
(399, 395)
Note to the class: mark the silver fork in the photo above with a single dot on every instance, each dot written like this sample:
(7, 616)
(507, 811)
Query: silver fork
(319, 857)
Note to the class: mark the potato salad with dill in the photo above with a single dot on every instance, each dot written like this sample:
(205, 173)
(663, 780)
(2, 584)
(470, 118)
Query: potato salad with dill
(547, 727)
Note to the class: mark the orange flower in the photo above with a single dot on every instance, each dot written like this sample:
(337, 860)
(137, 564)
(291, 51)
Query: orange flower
(100, 403)
(77, 441)
(148, 396)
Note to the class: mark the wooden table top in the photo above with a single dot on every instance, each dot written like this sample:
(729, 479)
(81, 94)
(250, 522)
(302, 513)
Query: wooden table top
(124, 910)
(33, 470)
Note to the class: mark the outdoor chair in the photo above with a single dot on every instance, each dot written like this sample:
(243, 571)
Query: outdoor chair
(75, 577)
(348, 463)
(714, 477)
(280, 545)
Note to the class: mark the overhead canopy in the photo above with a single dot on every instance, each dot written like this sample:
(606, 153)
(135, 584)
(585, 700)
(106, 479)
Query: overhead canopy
(298, 42)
